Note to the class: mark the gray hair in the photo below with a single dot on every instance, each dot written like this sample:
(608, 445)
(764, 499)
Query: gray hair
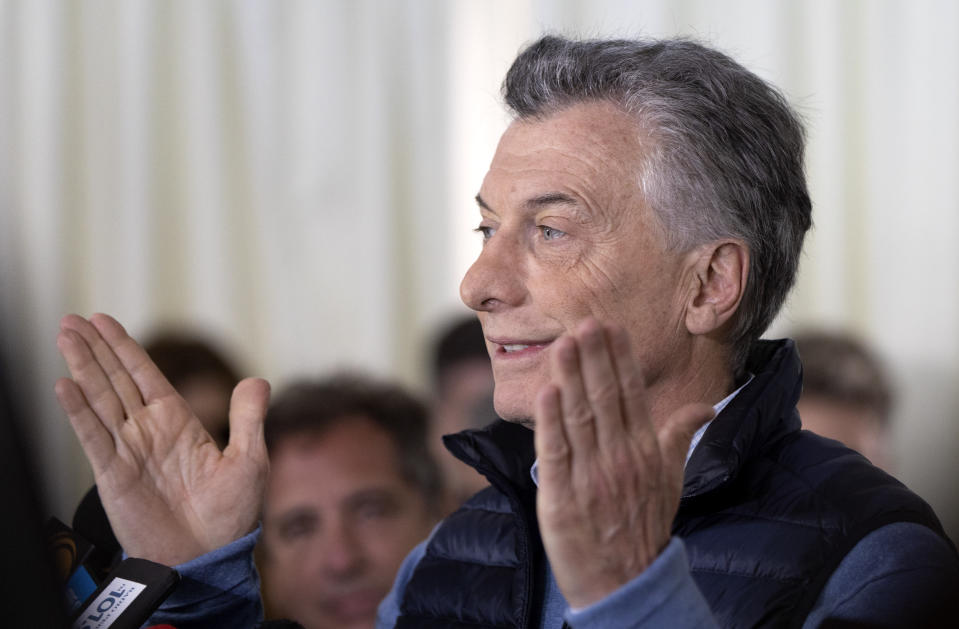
(726, 151)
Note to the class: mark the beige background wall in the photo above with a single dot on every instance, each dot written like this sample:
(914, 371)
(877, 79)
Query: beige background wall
(296, 179)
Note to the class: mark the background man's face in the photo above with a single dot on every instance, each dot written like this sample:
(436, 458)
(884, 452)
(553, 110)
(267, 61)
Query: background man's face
(338, 522)
(569, 235)
(857, 426)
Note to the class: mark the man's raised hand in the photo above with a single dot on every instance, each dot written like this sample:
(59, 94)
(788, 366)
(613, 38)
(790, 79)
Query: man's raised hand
(609, 479)
(169, 492)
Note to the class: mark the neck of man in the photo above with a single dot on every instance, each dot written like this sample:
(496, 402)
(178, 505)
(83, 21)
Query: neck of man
(703, 374)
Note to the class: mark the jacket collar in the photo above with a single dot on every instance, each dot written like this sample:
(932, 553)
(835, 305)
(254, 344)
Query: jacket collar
(503, 452)
(761, 414)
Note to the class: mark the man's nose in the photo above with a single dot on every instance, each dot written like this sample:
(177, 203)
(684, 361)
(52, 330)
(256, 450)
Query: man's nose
(343, 552)
(496, 279)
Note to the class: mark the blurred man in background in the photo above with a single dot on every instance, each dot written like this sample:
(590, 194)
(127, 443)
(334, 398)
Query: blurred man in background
(352, 488)
(846, 393)
(201, 373)
(463, 399)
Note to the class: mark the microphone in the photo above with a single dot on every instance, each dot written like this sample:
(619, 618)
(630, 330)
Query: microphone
(101, 590)
(90, 522)
(85, 554)
(128, 596)
(77, 565)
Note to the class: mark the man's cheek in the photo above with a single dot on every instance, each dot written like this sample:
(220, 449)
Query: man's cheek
(589, 291)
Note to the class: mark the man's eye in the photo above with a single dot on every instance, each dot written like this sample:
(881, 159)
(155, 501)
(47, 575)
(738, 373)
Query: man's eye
(486, 231)
(297, 529)
(375, 509)
(372, 511)
(551, 233)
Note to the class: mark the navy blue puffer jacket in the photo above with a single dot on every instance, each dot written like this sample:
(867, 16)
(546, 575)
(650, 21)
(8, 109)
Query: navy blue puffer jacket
(768, 511)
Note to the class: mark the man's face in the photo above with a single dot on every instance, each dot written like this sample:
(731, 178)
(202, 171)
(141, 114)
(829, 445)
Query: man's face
(338, 522)
(568, 234)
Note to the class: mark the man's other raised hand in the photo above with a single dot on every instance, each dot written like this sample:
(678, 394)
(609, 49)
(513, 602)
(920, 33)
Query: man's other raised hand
(169, 492)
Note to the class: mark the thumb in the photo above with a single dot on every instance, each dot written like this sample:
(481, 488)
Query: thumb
(247, 411)
(677, 432)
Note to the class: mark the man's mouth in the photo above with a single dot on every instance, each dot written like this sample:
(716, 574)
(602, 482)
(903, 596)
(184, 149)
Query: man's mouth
(519, 348)
(355, 605)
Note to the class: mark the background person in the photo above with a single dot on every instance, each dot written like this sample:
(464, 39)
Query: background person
(201, 373)
(352, 488)
(463, 399)
(846, 394)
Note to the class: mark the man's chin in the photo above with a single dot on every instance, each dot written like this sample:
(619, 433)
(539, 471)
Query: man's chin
(514, 411)
(526, 422)
(354, 610)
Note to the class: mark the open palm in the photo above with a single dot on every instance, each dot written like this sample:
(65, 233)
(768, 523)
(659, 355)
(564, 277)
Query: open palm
(169, 492)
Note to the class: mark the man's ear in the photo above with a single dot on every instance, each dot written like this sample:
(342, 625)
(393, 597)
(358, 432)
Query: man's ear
(718, 278)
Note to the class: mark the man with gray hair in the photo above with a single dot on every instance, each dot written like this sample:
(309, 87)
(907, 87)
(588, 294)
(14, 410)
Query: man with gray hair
(642, 221)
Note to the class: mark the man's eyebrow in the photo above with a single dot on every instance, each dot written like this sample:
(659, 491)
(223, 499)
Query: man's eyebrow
(296, 514)
(383, 495)
(550, 198)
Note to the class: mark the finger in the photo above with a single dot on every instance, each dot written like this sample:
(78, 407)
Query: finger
(630, 377)
(549, 438)
(91, 381)
(117, 375)
(95, 439)
(677, 432)
(577, 415)
(636, 418)
(137, 364)
(601, 383)
(247, 411)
